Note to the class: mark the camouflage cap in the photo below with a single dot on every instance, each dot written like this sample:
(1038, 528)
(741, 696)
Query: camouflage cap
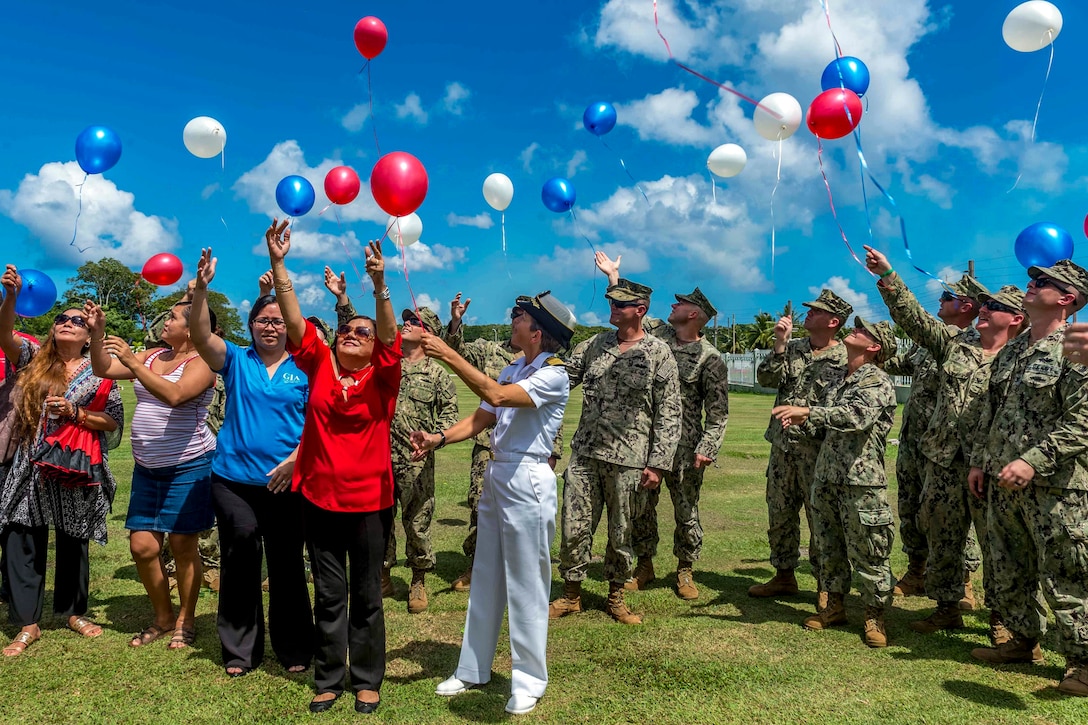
(1010, 295)
(324, 328)
(551, 314)
(427, 317)
(828, 301)
(1065, 271)
(884, 335)
(698, 299)
(968, 286)
(627, 291)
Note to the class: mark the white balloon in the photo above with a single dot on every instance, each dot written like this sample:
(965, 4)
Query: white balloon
(405, 230)
(787, 122)
(1032, 26)
(204, 137)
(498, 191)
(727, 160)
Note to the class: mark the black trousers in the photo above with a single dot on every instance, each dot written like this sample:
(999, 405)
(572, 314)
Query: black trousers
(26, 550)
(251, 519)
(348, 602)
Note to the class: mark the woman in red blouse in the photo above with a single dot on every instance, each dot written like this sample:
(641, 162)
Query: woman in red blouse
(345, 476)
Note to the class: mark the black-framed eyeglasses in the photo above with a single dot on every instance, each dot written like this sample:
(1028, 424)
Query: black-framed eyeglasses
(77, 320)
(277, 322)
(516, 313)
(624, 304)
(947, 296)
(995, 306)
(1038, 282)
(359, 330)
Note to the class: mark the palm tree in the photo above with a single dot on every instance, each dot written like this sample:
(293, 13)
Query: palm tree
(759, 335)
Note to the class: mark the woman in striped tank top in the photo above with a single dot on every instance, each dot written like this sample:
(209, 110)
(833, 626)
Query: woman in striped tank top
(171, 480)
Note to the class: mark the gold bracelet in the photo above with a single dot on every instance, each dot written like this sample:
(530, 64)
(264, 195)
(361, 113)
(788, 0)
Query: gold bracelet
(283, 286)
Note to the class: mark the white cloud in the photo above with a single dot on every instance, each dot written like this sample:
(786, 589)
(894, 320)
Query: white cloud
(244, 307)
(412, 109)
(526, 156)
(310, 290)
(577, 161)
(47, 204)
(948, 274)
(482, 220)
(311, 245)
(592, 319)
(454, 100)
(356, 118)
(209, 190)
(425, 258)
(858, 300)
(425, 300)
(666, 116)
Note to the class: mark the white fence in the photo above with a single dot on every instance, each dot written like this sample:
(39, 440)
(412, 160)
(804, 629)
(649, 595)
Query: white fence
(742, 371)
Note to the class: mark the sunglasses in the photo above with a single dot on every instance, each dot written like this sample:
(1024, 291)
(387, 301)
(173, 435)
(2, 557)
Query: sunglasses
(947, 296)
(1038, 282)
(516, 313)
(76, 320)
(359, 330)
(623, 305)
(995, 306)
(413, 322)
(276, 322)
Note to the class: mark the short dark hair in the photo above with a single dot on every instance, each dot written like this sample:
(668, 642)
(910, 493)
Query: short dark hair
(188, 305)
(255, 311)
(547, 342)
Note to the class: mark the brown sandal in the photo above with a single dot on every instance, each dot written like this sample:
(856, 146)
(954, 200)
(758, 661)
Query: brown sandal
(183, 637)
(148, 636)
(83, 627)
(20, 643)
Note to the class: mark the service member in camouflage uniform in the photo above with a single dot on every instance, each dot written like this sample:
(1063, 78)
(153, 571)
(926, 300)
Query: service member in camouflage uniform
(626, 439)
(851, 517)
(803, 370)
(1031, 461)
(958, 309)
(704, 386)
(963, 363)
(490, 358)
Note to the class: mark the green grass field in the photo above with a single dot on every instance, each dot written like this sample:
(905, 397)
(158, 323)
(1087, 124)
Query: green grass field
(722, 658)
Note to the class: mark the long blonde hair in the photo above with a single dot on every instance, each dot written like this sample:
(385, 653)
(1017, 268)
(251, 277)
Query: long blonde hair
(45, 375)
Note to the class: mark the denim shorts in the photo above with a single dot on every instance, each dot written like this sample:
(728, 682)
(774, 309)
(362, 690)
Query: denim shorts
(172, 499)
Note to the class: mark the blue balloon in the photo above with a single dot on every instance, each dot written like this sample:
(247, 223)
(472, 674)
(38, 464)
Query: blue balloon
(1042, 244)
(97, 149)
(599, 118)
(846, 72)
(295, 195)
(38, 295)
(558, 194)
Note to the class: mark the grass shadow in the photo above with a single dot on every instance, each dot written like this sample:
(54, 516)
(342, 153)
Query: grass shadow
(435, 660)
(732, 591)
(984, 695)
(484, 704)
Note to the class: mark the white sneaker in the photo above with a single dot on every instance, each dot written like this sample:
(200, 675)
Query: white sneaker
(451, 687)
(521, 704)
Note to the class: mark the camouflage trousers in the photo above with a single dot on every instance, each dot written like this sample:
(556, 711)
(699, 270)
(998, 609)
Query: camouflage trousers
(910, 478)
(949, 518)
(684, 483)
(589, 487)
(1039, 535)
(207, 545)
(789, 487)
(480, 457)
(414, 493)
(855, 530)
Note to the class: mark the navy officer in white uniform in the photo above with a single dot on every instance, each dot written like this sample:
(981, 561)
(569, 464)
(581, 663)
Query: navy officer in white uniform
(512, 568)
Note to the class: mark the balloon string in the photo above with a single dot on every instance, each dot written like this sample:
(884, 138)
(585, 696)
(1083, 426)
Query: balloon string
(1039, 105)
(713, 188)
(831, 201)
(79, 212)
(697, 74)
(327, 206)
(502, 223)
(340, 236)
(827, 14)
(370, 97)
(632, 178)
(578, 229)
(774, 191)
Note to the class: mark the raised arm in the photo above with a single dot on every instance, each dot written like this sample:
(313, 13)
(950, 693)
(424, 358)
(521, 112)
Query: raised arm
(209, 345)
(9, 342)
(453, 334)
(488, 390)
(195, 379)
(278, 239)
(608, 267)
(922, 327)
(345, 311)
(102, 364)
(386, 320)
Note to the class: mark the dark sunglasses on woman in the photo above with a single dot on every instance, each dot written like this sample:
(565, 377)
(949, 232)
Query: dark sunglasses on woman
(76, 320)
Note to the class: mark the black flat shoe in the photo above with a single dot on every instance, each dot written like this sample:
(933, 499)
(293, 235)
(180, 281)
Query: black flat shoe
(322, 705)
(365, 708)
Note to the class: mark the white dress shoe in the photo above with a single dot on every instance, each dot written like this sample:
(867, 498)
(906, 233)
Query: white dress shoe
(521, 704)
(451, 687)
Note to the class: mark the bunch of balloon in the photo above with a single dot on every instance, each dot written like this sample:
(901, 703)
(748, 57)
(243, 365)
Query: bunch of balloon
(162, 270)
(205, 138)
(37, 296)
(98, 148)
(600, 118)
(295, 195)
(498, 193)
(1042, 244)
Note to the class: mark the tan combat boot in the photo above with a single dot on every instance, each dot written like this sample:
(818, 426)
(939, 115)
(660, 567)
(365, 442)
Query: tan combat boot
(463, 582)
(417, 594)
(211, 579)
(1017, 649)
(945, 616)
(569, 603)
(1075, 680)
(642, 575)
(617, 608)
(783, 584)
(968, 602)
(913, 583)
(999, 633)
(685, 585)
(387, 584)
(875, 636)
(831, 615)
(821, 600)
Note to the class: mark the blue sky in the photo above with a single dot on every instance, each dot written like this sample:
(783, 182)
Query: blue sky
(484, 87)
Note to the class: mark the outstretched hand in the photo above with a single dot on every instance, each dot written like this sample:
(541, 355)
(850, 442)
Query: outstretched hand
(457, 309)
(95, 318)
(423, 443)
(609, 268)
(433, 346)
(876, 262)
(278, 238)
(11, 281)
(205, 270)
(338, 285)
(265, 283)
(375, 264)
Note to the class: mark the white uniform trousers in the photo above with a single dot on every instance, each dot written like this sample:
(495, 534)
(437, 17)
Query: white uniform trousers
(512, 569)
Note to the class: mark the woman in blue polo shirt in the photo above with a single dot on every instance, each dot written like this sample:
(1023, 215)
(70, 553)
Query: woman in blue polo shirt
(251, 486)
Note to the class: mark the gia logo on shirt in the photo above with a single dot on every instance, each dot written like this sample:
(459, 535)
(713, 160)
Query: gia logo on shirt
(291, 378)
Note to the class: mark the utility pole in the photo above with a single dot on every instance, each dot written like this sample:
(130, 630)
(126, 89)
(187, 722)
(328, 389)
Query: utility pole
(733, 329)
(971, 267)
(715, 332)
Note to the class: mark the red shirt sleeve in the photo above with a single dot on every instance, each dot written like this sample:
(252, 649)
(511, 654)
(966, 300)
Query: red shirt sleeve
(310, 353)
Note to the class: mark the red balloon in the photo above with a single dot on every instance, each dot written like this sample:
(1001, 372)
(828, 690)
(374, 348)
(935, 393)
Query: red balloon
(398, 183)
(162, 269)
(834, 113)
(1086, 226)
(342, 185)
(370, 37)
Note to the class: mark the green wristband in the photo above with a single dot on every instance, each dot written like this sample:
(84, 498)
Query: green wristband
(890, 271)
